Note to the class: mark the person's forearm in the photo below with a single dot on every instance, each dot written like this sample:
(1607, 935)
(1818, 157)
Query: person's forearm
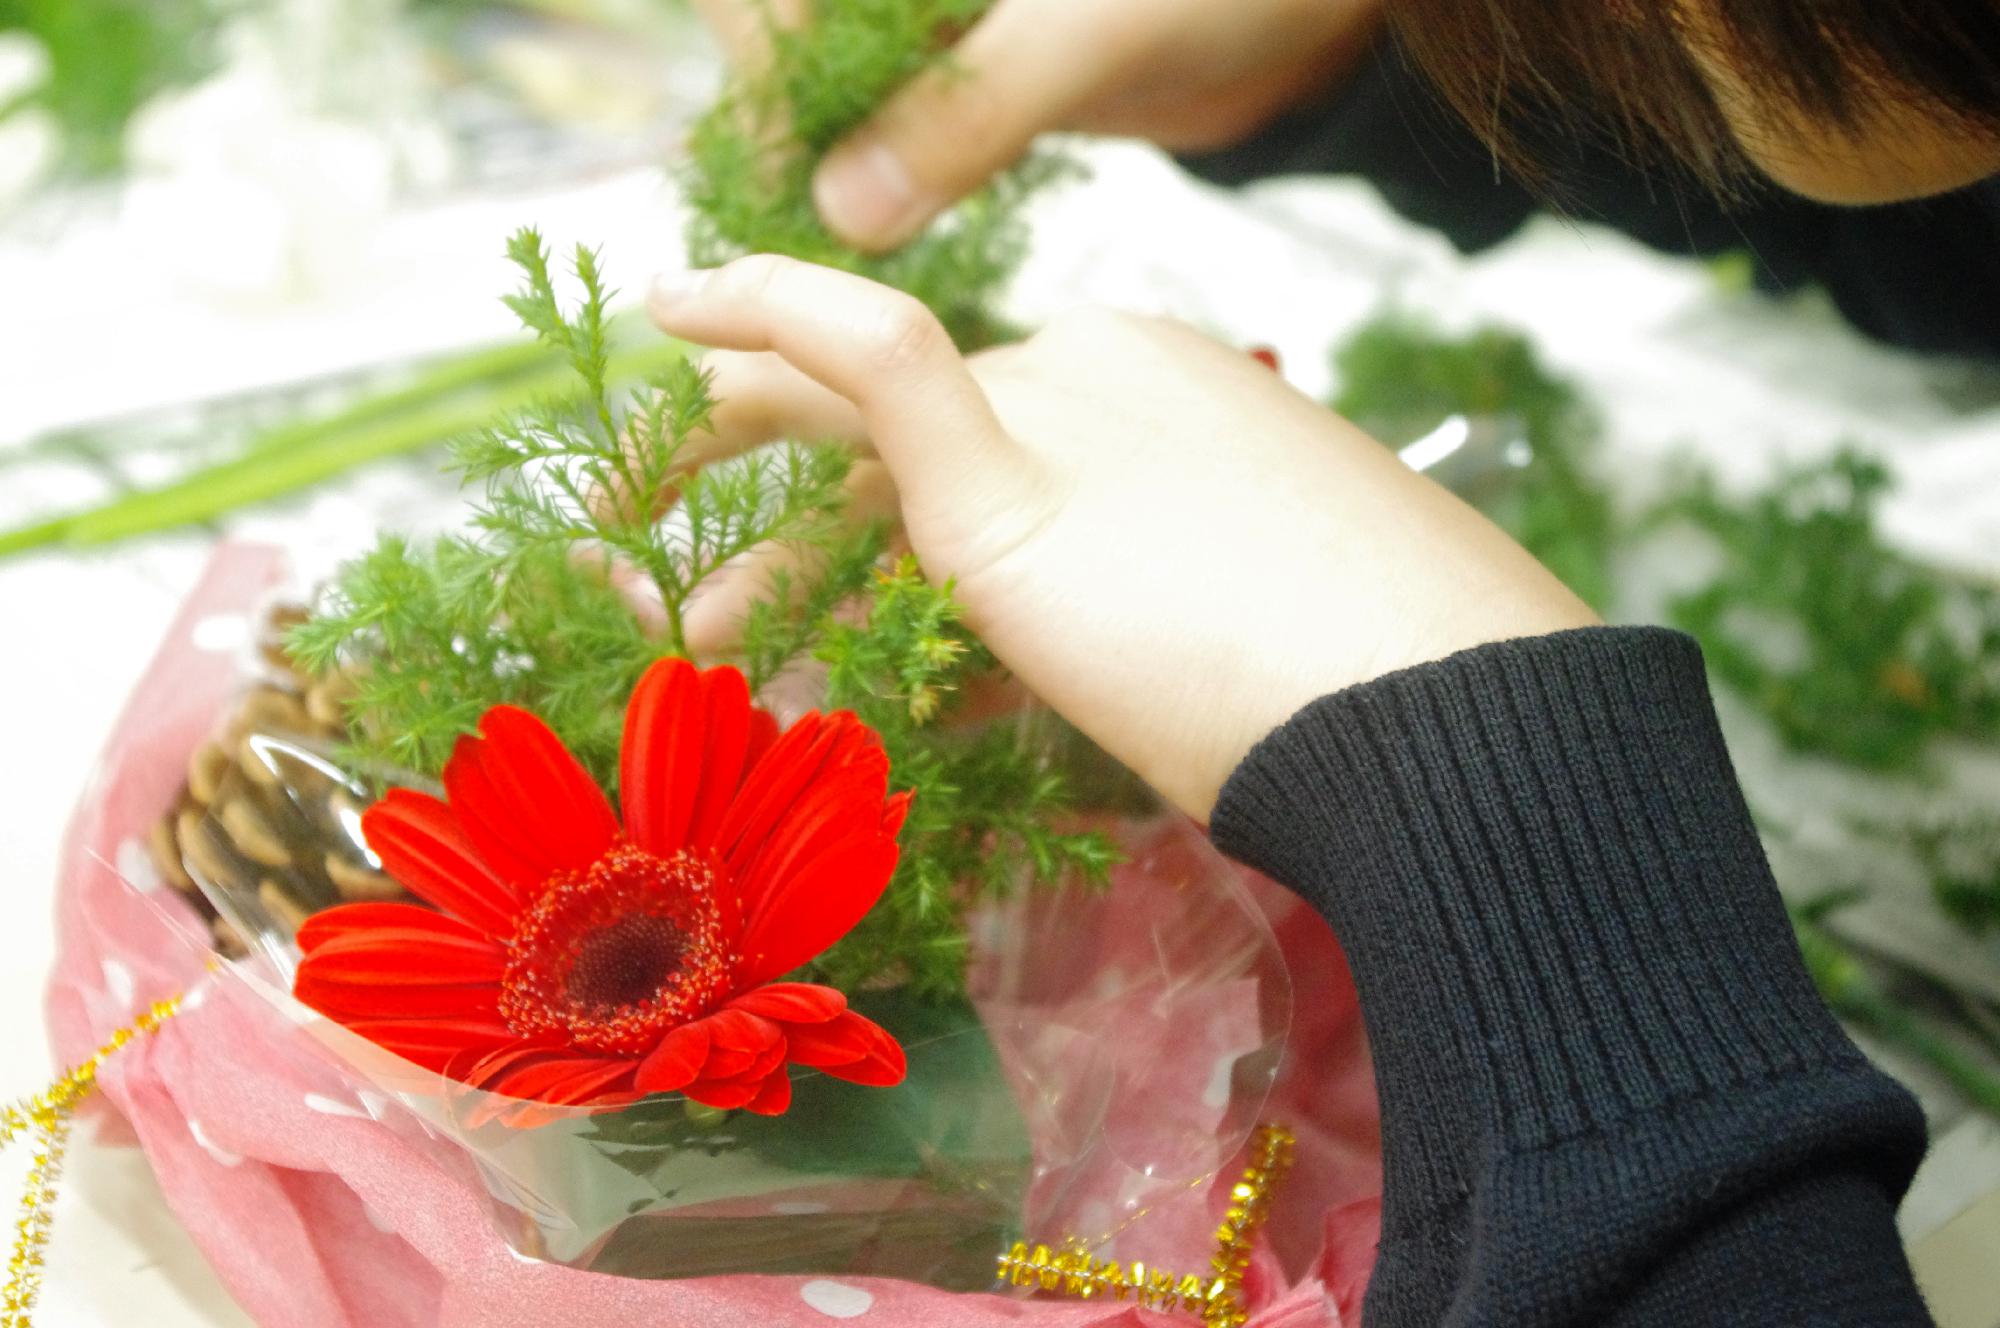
(1609, 1091)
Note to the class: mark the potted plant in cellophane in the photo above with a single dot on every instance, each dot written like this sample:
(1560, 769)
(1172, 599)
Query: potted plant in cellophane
(786, 960)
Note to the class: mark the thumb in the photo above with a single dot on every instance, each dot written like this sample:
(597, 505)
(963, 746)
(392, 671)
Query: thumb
(1023, 68)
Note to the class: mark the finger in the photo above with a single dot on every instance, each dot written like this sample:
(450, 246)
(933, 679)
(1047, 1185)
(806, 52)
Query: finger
(1022, 69)
(713, 621)
(760, 399)
(875, 347)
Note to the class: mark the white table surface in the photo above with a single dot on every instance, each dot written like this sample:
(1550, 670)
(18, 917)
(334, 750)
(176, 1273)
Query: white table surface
(95, 331)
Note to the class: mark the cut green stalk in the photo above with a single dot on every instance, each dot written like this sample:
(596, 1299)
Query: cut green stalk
(295, 457)
(1877, 1014)
(485, 366)
(35, 536)
(480, 367)
(1856, 998)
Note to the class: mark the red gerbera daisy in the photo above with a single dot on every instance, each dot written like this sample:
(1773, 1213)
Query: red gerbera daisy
(578, 963)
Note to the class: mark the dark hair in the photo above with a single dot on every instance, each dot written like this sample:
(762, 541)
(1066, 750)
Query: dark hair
(1627, 69)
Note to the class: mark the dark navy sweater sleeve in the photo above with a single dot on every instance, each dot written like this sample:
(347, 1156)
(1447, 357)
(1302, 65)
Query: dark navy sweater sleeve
(1610, 1093)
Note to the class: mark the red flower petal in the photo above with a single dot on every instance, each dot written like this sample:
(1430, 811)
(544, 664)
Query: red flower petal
(677, 1062)
(840, 803)
(537, 1080)
(481, 1071)
(739, 1030)
(435, 1043)
(347, 1001)
(792, 1002)
(764, 734)
(776, 783)
(774, 1097)
(842, 1040)
(528, 804)
(811, 908)
(724, 1094)
(423, 846)
(724, 1064)
(345, 919)
(406, 957)
(738, 736)
(687, 743)
(895, 812)
(561, 1080)
(804, 842)
(884, 1065)
(660, 761)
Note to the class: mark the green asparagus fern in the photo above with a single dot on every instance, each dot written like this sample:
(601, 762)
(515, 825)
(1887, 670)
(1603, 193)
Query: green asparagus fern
(987, 812)
(526, 610)
(1852, 650)
(751, 160)
(1400, 379)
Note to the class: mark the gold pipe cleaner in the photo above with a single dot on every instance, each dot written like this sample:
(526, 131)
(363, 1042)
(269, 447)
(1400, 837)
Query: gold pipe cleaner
(1070, 1269)
(49, 1114)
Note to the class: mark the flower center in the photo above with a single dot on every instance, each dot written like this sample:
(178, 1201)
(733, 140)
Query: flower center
(614, 957)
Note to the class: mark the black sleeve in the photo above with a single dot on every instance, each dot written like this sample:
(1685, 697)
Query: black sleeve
(1610, 1093)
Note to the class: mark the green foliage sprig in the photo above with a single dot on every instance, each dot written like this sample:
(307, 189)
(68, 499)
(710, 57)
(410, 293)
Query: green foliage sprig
(527, 611)
(988, 808)
(1878, 654)
(1400, 378)
(751, 160)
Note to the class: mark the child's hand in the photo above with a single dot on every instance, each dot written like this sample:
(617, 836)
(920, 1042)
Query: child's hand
(1164, 541)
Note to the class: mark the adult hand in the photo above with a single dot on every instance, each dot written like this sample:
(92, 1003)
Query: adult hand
(1160, 538)
(1186, 74)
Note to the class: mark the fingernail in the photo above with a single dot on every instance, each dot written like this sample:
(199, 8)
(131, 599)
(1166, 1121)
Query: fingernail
(670, 288)
(865, 193)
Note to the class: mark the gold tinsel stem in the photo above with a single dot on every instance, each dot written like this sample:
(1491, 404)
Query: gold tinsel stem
(1070, 1269)
(48, 1114)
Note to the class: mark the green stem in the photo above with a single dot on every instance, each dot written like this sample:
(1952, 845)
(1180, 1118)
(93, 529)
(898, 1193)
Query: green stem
(23, 538)
(439, 378)
(1890, 1022)
(474, 369)
(1856, 998)
(305, 455)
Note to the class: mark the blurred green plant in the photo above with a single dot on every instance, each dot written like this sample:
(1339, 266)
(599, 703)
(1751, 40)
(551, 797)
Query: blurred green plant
(1850, 649)
(1846, 983)
(1401, 378)
(106, 58)
(1960, 856)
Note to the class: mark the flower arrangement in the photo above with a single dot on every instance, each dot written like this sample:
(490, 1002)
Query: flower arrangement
(783, 959)
(661, 964)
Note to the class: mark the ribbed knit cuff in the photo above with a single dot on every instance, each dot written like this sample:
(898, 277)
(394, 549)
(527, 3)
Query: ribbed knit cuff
(1558, 914)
